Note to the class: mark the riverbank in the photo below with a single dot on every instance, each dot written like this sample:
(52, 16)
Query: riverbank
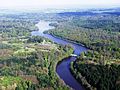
(65, 39)
(63, 66)
(55, 69)
(71, 41)
(82, 80)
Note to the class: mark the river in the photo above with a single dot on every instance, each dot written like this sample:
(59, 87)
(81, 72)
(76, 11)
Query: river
(63, 69)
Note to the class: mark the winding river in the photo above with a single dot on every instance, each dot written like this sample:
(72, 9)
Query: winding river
(63, 69)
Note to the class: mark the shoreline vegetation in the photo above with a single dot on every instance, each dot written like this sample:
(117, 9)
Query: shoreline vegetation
(82, 79)
(46, 32)
(98, 68)
(28, 62)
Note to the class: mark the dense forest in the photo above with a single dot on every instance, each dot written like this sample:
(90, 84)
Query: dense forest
(99, 67)
(28, 62)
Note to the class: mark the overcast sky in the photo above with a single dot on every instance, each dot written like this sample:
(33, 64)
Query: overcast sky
(59, 3)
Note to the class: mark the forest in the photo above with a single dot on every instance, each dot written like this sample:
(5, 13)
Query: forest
(28, 62)
(99, 67)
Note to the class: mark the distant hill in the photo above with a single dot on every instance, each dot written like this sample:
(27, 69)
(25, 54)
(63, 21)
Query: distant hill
(76, 13)
(113, 11)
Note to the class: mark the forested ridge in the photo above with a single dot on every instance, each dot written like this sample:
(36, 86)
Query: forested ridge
(28, 62)
(98, 68)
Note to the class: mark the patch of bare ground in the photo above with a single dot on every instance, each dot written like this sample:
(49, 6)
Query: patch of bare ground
(31, 78)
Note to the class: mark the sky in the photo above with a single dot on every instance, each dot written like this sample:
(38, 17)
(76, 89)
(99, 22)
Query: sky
(58, 3)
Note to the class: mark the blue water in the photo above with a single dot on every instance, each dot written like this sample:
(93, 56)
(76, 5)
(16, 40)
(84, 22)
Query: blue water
(63, 69)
